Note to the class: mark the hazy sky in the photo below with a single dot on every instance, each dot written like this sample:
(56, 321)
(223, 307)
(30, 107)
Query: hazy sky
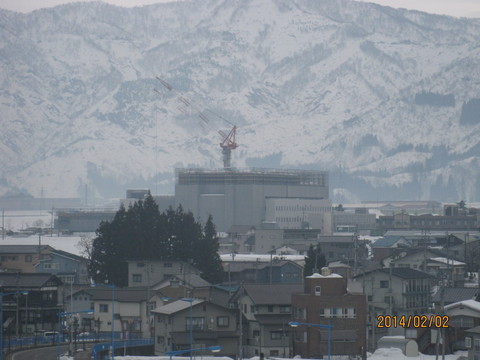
(467, 8)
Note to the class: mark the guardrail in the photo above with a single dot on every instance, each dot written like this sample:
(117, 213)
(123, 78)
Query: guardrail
(12, 343)
(105, 347)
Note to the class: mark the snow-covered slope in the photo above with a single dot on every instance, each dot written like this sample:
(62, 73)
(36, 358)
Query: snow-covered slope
(385, 99)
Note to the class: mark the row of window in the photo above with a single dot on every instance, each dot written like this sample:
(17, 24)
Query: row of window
(476, 343)
(346, 313)
(283, 309)
(199, 323)
(302, 208)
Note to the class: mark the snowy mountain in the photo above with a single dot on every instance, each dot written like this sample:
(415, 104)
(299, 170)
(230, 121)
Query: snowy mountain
(387, 100)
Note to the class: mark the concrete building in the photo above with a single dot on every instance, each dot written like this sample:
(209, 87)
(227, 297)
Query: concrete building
(299, 213)
(239, 196)
(359, 220)
(327, 301)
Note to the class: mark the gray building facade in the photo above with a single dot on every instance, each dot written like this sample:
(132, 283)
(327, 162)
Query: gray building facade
(238, 196)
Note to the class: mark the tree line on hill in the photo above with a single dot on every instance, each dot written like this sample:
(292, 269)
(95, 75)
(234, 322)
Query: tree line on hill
(142, 232)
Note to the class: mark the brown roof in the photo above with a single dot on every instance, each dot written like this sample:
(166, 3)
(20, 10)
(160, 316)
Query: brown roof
(276, 294)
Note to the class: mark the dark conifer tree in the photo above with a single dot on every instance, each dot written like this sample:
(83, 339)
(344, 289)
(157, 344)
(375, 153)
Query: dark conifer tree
(314, 260)
(206, 257)
(143, 233)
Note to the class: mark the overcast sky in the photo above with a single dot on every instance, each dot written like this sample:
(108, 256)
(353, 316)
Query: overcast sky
(467, 8)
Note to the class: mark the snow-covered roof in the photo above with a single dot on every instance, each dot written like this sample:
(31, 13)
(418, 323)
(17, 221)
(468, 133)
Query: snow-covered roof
(177, 306)
(317, 275)
(261, 257)
(447, 261)
(472, 304)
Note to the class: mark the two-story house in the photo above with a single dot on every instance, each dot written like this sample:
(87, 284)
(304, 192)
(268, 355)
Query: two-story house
(130, 311)
(147, 273)
(191, 323)
(35, 304)
(267, 311)
(472, 343)
(394, 291)
(70, 268)
(21, 258)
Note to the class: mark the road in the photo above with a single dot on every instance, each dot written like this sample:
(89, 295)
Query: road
(50, 353)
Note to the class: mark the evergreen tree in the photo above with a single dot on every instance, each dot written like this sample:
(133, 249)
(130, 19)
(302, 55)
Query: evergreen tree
(314, 260)
(143, 233)
(206, 257)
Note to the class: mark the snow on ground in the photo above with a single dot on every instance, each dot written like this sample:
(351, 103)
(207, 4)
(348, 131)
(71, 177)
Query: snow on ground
(379, 354)
(18, 220)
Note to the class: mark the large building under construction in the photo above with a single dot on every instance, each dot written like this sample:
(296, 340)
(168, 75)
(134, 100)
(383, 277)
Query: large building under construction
(239, 196)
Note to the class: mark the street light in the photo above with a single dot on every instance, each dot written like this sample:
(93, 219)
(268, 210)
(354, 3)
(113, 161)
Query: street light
(1, 316)
(294, 324)
(112, 286)
(214, 349)
(189, 300)
(60, 315)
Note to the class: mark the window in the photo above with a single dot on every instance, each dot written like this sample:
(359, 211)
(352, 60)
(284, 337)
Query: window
(318, 290)
(103, 308)
(28, 258)
(276, 335)
(476, 344)
(285, 309)
(468, 342)
(321, 311)
(384, 283)
(252, 309)
(270, 308)
(223, 321)
(160, 340)
(137, 278)
(168, 265)
(53, 266)
(198, 323)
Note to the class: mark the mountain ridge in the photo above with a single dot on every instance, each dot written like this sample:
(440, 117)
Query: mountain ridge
(330, 84)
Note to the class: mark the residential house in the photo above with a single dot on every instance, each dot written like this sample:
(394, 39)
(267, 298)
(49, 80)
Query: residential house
(191, 323)
(343, 248)
(21, 258)
(455, 294)
(33, 311)
(130, 310)
(326, 300)
(267, 311)
(472, 343)
(462, 316)
(394, 291)
(275, 272)
(433, 261)
(388, 246)
(70, 268)
(146, 273)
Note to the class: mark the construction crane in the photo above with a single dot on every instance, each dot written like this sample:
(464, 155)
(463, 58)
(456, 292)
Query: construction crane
(185, 106)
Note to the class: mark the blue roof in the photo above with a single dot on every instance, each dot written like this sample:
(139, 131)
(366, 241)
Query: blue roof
(388, 241)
